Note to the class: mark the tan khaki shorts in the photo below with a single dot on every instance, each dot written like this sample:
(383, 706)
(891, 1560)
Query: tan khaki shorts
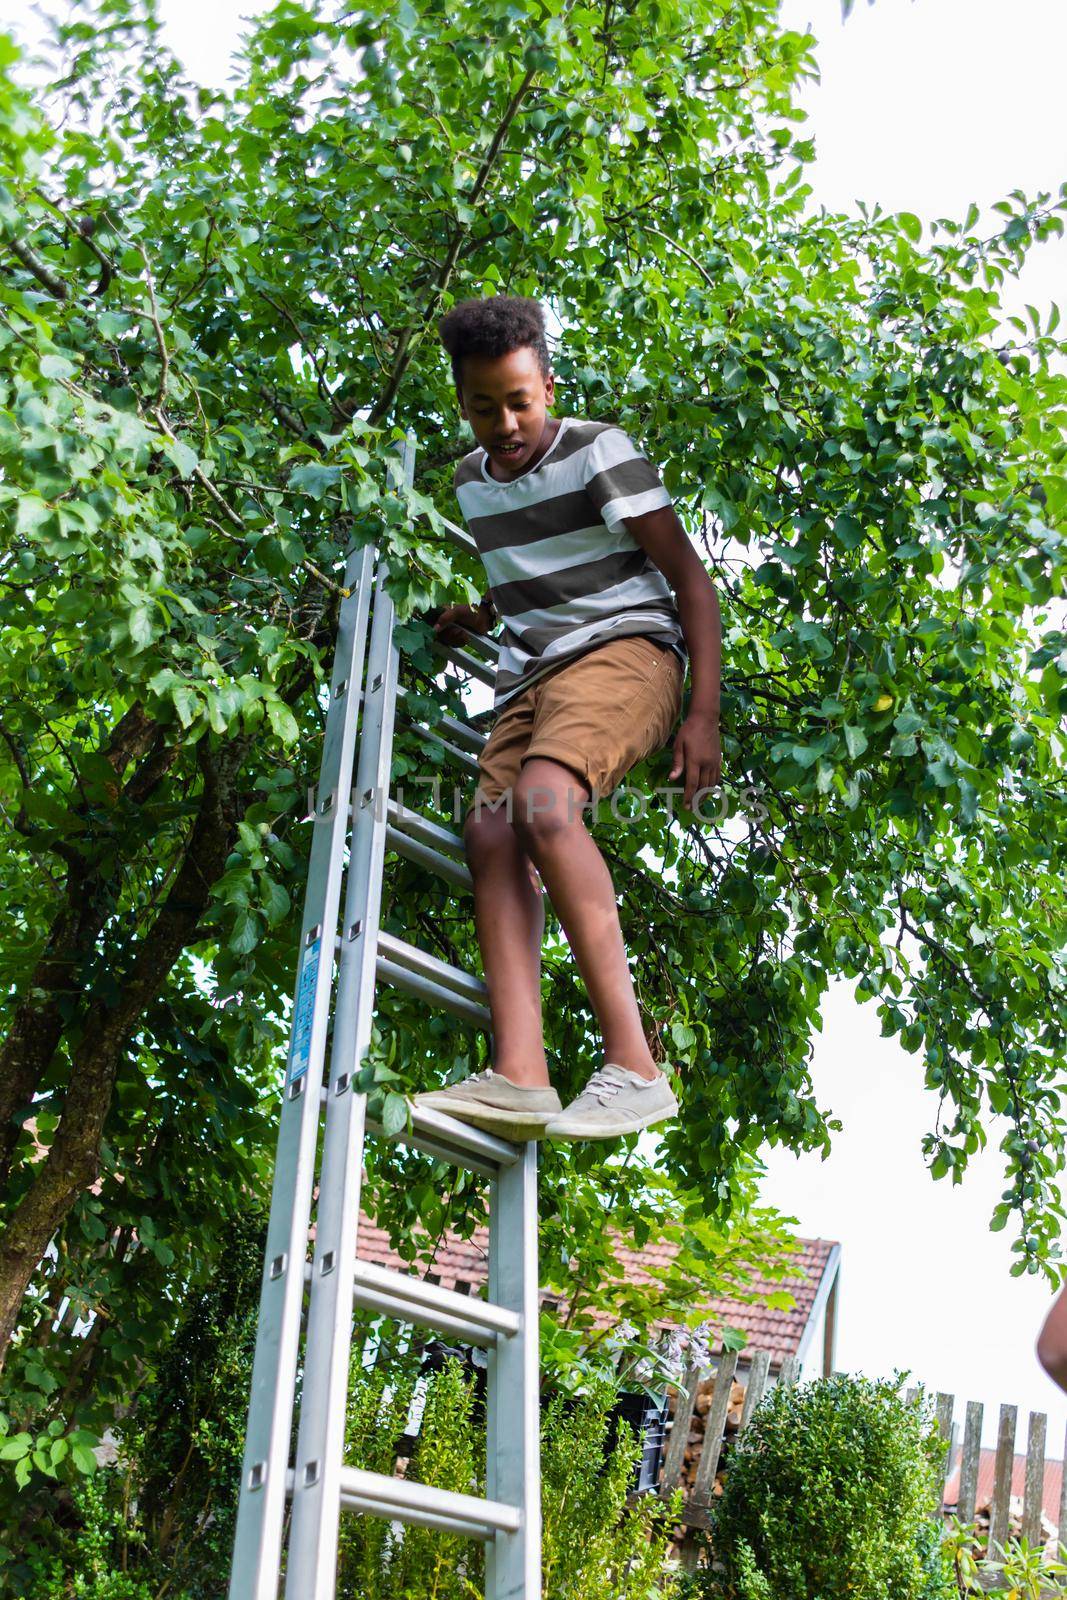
(599, 715)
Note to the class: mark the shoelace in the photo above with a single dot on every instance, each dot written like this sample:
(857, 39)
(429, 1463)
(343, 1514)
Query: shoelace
(601, 1086)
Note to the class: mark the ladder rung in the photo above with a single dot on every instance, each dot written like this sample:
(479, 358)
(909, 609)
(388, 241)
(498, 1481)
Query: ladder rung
(410, 1299)
(485, 643)
(425, 830)
(462, 758)
(451, 1140)
(459, 536)
(403, 1501)
(467, 661)
(434, 994)
(463, 734)
(426, 856)
(456, 730)
(413, 959)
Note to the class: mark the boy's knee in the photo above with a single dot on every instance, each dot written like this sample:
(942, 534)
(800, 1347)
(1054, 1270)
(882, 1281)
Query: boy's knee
(542, 812)
(485, 827)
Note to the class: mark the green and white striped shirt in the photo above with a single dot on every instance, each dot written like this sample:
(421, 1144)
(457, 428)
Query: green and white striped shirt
(564, 571)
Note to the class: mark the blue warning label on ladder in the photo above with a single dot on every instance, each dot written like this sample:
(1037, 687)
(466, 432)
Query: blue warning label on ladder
(303, 1011)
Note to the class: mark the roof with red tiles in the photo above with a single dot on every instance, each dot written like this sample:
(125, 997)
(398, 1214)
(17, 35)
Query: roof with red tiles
(987, 1460)
(462, 1264)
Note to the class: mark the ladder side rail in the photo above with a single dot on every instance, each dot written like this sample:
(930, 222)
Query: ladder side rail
(513, 1446)
(311, 1566)
(261, 1505)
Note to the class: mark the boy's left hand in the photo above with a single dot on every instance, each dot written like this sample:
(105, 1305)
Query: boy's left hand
(698, 752)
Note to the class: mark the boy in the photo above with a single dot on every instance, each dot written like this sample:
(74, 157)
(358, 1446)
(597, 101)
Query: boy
(581, 547)
(1052, 1341)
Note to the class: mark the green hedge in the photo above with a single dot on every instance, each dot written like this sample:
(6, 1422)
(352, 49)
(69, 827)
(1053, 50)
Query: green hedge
(831, 1495)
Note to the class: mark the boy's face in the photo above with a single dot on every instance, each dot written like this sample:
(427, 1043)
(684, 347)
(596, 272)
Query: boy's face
(505, 398)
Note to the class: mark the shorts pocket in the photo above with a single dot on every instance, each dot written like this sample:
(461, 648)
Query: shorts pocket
(647, 723)
(666, 711)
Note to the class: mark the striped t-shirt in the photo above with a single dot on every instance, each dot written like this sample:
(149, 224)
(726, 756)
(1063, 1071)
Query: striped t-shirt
(564, 571)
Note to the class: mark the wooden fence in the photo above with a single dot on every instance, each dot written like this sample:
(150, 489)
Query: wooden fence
(1004, 1521)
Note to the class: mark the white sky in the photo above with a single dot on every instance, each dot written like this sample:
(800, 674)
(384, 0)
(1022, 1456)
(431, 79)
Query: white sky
(924, 106)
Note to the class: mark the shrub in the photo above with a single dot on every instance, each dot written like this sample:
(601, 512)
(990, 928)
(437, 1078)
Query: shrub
(831, 1492)
(596, 1545)
(376, 1561)
(84, 1569)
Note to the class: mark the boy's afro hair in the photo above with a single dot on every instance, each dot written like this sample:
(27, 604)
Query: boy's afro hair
(494, 327)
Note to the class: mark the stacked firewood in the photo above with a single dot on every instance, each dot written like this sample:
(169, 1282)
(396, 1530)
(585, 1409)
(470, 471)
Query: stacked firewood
(695, 1442)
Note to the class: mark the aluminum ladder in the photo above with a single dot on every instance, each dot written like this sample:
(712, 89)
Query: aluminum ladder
(362, 819)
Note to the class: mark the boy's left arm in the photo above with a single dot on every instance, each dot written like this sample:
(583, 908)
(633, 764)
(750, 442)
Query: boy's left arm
(697, 750)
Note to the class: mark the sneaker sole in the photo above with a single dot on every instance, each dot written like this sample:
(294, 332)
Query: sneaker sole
(582, 1130)
(515, 1125)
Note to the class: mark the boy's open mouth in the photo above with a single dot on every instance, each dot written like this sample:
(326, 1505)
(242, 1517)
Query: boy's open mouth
(510, 451)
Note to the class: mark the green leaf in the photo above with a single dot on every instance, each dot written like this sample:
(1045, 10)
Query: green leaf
(139, 623)
(999, 1098)
(31, 514)
(313, 479)
(275, 899)
(855, 740)
(848, 532)
(55, 366)
(394, 1114)
(282, 721)
(247, 932)
(186, 704)
(683, 1036)
(184, 459)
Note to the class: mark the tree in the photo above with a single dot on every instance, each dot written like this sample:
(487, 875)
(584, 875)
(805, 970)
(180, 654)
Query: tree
(217, 316)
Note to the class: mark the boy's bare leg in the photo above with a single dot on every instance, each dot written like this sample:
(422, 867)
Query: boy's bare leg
(548, 822)
(509, 918)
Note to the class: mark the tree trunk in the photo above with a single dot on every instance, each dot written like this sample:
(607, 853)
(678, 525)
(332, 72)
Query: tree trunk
(72, 1163)
(40, 1018)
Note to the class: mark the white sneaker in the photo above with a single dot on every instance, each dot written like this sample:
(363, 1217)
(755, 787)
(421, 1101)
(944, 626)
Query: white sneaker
(488, 1100)
(615, 1101)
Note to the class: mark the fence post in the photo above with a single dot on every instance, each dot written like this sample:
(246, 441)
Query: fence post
(714, 1425)
(1000, 1509)
(789, 1376)
(685, 1402)
(972, 1454)
(1034, 1493)
(946, 1404)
